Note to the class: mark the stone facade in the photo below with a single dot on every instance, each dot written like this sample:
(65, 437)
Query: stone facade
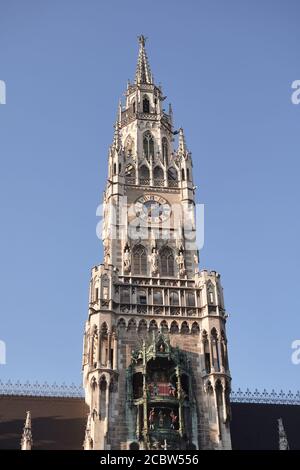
(155, 361)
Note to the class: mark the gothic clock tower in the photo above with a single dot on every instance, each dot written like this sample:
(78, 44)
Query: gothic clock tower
(155, 361)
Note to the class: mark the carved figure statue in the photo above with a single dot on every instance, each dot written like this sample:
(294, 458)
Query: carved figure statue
(180, 263)
(151, 418)
(174, 419)
(161, 417)
(127, 260)
(154, 261)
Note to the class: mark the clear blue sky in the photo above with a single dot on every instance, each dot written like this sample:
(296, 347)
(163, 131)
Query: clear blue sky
(227, 68)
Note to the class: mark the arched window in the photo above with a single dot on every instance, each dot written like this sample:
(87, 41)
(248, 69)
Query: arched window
(148, 145)
(153, 326)
(131, 325)
(133, 107)
(174, 328)
(102, 386)
(158, 175)
(215, 349)
(207, 357)
(174, 298)
(144, 175)
(184, 328)
(172, 177)
(164, 327)
(182, 175)
(115, 168)
(224, 356)
(165, 150)
(157, 297)
(195, 328)
(146, 105)
(139, 260)
(166, 262)
(121, 324)
(188, 174)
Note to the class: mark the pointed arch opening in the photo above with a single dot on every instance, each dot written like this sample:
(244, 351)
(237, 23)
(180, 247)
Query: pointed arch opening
(174, 330)
(207, 358)
(215, 349)
(172, 177)
(167, 262)
(164, 328)
(185, 329)
(144, 175)
(131, 325)
(158, 176)
(146, 105)
(165, 150)
(148, 145)
(121, 325)
(195, 328)
(139, 260)
(103, 387)
(153, 326)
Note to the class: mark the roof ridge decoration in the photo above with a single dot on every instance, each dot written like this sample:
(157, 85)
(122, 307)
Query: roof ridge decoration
(143, 71)
(72, 390)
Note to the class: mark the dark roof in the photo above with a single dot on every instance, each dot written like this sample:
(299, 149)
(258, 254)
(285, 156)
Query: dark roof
(254, 426)
(59, 423)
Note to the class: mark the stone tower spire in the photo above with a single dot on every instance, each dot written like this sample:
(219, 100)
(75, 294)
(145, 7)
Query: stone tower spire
(143, 71)
(283, 442)
(26, 441)
(155, 360)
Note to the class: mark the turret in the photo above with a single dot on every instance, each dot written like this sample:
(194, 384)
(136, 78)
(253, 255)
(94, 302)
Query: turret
(26, 441)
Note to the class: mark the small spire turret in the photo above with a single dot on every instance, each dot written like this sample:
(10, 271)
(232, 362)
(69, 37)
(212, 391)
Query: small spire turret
(182, 149)
(283, 442)
(26, 441)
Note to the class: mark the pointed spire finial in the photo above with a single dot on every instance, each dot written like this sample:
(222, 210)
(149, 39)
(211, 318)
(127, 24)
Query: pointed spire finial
(283, 442)
(143, 71)
(142, 40)
(181, 142)
(26, 440)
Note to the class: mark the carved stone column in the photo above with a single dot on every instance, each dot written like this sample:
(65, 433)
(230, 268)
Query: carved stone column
(179, 394)
(115, 349)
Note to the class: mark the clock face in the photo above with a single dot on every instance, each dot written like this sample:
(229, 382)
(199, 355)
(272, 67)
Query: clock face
(153, 208)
